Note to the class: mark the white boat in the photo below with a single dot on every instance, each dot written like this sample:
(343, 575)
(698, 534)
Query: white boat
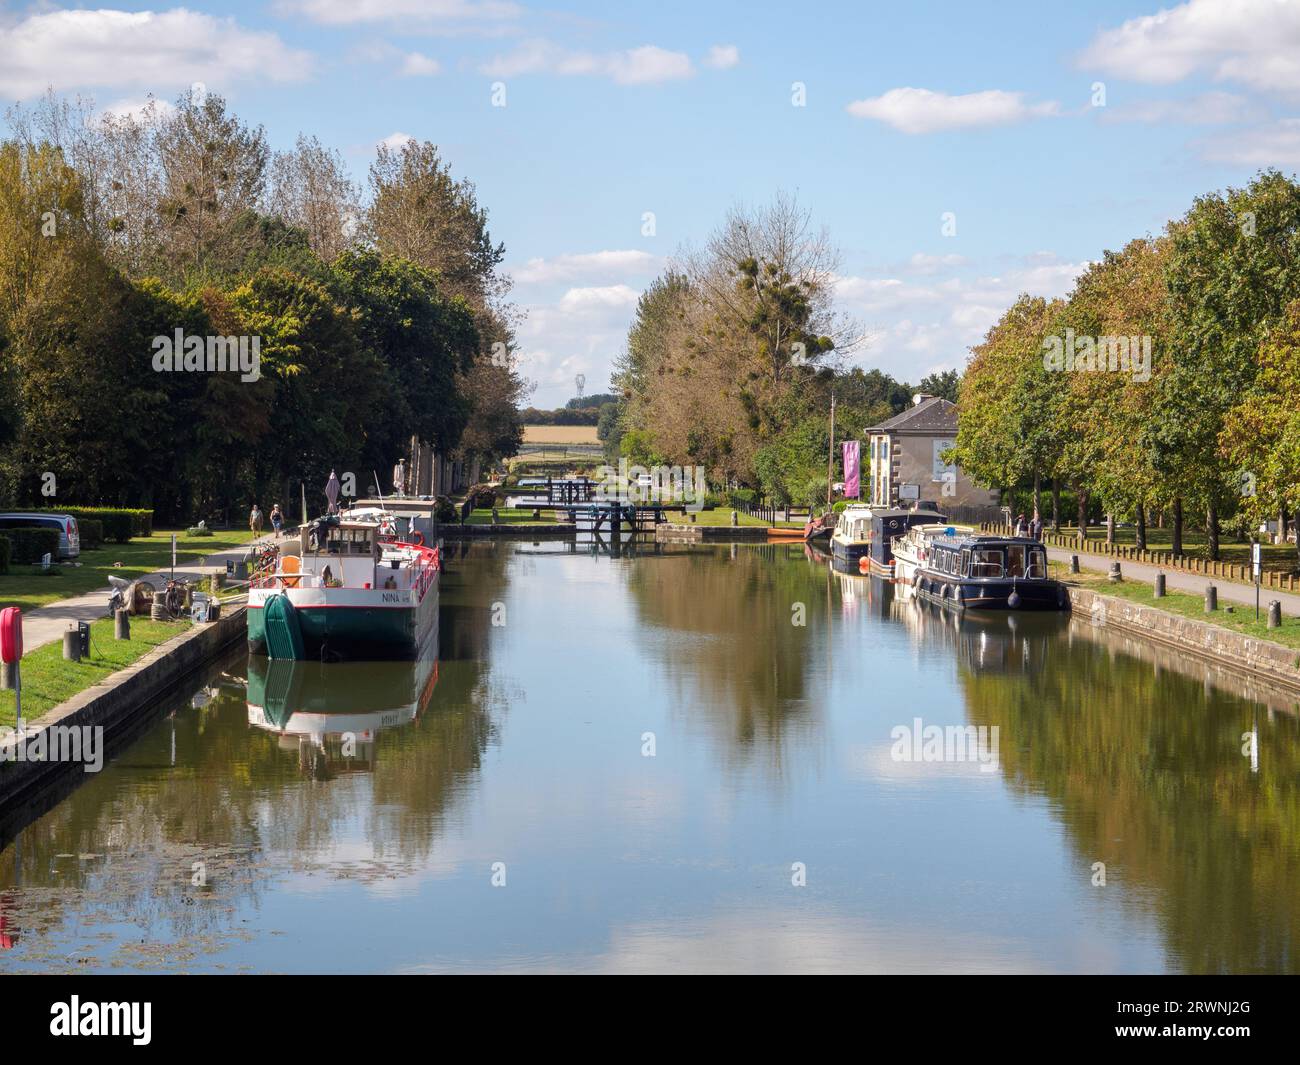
(345, 591)
(912, 548)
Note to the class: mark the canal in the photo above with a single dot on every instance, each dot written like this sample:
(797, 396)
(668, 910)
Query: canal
(697, 758)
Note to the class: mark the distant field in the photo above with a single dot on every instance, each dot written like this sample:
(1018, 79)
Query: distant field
(560, 434)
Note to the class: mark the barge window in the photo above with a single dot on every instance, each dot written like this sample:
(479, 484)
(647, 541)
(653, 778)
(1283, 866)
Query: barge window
(964, 569)
(987, 562)
(1015, 560)
(1037, 563)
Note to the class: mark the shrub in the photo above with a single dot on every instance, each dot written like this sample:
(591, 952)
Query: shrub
(4, 554)
(198, 530)
(742, 497)
(445, 510)
(30, 545)
(119, 523)
(92, 533)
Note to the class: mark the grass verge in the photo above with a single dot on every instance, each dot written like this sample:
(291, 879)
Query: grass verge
(49, 679)
(1185, 604)
(144, 554)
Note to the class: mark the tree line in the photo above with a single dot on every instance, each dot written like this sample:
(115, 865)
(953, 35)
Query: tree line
(1165, 382)
(377, 318)
(734, 353)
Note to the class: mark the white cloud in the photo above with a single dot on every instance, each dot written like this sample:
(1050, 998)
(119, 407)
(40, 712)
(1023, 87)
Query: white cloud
(396, 140)
(600, 298)
(1265, 146)
(415, 65)
(596, 265)
(921, 263)
(159, 51)
(138, 109)
(919, 328)
(579, 333)
(923, 111)
(1253, 42)
(722, 57)
(1208, 109)
(434, 15)
(635, 66)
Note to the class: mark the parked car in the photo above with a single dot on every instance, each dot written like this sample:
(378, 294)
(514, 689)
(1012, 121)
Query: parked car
(65, 524)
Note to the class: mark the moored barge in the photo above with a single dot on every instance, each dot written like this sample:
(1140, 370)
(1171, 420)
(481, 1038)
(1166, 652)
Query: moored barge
(989, 573)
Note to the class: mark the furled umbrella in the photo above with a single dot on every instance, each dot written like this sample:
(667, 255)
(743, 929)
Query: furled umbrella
(332, 492)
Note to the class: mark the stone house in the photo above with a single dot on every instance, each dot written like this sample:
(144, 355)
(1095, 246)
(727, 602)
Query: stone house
(904, 464)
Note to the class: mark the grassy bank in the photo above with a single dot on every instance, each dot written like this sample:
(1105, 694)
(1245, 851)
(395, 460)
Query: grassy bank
(1278, 557)
(144, 554)
(49, 680)
(1188, 605)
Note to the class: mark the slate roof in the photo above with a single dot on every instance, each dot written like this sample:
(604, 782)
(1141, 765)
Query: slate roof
(933, 415)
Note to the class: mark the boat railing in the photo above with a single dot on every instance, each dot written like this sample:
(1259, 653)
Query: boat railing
(427, 564)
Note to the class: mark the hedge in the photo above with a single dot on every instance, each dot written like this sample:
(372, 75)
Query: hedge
(91, 531)
(4, 554)
(119, 523)
(29, 545)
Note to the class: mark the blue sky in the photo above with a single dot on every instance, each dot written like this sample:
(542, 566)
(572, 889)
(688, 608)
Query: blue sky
(984, 110)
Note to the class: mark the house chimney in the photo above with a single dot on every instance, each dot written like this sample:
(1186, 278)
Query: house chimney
(920, 398)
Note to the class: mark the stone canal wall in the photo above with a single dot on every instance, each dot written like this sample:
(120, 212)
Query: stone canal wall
(1234, 652)
(118, 702)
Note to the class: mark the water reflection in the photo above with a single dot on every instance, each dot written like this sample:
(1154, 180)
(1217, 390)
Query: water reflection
(375, 802)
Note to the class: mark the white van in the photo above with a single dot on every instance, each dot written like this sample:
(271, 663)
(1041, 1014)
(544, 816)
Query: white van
(64, 524)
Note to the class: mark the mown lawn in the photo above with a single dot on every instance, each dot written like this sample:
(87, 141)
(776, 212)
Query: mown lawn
(48, 679)
(1186, 604)
(144, 554)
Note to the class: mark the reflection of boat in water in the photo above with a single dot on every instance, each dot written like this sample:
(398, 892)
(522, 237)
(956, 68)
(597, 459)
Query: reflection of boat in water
(994, 642)
(324, 702)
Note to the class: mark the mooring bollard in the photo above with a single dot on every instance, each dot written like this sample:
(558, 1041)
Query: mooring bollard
(496, 516)
(1211, 599)
(692, 517)
(1274, 614)
(734, 520)
(122, 624)
(71, 646)
(1074, 563)
(1115, 575)
(1160, 586)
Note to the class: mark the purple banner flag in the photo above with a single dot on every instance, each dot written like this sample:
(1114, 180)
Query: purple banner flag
(852, 460)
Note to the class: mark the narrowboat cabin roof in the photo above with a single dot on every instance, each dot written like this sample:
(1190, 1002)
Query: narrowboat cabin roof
(958, 542)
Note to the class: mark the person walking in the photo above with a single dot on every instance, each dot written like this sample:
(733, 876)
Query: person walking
(255, 520)
(277, 520)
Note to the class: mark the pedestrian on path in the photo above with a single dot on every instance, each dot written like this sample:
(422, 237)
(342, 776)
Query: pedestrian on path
(277, 519)
(255, 520)
(1036, 526)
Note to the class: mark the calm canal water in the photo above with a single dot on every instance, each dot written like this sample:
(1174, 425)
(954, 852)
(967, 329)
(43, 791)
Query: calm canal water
(523, 756)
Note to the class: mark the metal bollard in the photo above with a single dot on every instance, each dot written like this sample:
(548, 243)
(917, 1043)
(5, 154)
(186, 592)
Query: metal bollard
(71, 646)
(1211, 599)
(1274, 614)
(1160, 586)
(1115, 575)
(1074, 563)
(7, 670)
(122, 624)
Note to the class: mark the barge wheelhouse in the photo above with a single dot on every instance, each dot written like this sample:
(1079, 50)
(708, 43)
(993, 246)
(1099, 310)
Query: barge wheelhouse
(989, 573)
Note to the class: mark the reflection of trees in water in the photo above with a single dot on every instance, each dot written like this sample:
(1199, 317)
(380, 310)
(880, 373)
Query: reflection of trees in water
(1146, 768)
(721, 623)
(237, 799)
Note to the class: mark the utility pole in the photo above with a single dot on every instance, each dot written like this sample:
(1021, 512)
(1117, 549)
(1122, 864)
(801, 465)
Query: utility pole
(830, 454)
